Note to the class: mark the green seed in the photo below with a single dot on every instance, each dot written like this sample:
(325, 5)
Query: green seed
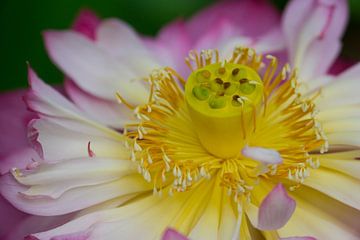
(201, 93)
(231, 89)
(217, 103)
(247, 88)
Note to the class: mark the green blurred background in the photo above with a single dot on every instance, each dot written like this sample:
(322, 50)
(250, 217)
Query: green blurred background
(22, 21)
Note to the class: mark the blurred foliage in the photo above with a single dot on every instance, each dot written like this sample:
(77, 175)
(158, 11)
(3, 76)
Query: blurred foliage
(22, 22)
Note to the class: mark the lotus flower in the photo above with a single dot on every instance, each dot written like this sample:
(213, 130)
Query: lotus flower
(228, 142)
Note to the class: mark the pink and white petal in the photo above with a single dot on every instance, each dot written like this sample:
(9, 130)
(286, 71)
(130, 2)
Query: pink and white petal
(79, 141)
(320, 56)
(321, 217)
(74, 199)
(53, 106)
(270, 42)
(262, 155)
(45, 100)
(120, 41)
(339, 186)
(18, 159)
(298, 238)
(252, 18)
(92, 68)
(171, 234)
(107, 112)
(13, 120)
(307, 24)
(86, 23)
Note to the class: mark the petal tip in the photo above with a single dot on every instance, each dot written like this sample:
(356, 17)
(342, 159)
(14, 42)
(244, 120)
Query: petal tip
(172, 234)
(276, 209)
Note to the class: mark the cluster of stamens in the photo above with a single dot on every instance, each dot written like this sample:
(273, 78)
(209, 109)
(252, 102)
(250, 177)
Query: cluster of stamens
(166, 143)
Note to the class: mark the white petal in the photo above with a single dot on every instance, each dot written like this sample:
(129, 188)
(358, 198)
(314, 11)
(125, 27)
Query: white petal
(107, 112)
(342, 91)
(322, 217)
(263, 155)
(228, 218)
(346, 162)
(208, 225)
(336, 185)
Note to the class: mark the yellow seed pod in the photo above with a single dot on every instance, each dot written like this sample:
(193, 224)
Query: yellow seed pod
(221, 99)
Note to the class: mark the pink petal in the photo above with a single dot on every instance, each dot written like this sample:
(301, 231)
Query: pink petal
(307, 24)
(298, 238)
(341, 65)
(171, 234)
(13, 120)
(10, 217)
(263, 155)
(171, 46)
(276, 209)
(253, 18)
(223, 30)
(86, 23)
(30, 224)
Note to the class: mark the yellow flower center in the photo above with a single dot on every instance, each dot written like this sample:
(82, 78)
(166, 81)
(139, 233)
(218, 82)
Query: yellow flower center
(184, 138)
(223, 99)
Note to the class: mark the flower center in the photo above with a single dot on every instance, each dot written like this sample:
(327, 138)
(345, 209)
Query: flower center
(231, 117)
(223, 99)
